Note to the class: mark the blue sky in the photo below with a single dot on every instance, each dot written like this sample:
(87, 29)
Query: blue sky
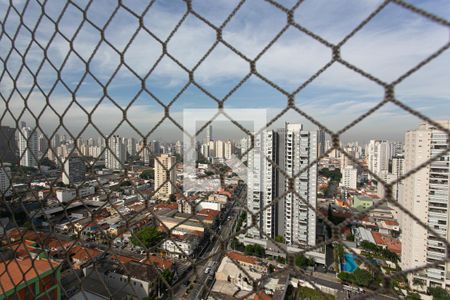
(392, 43)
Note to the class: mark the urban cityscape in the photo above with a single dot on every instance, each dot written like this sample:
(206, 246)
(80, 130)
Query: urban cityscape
(269, 197)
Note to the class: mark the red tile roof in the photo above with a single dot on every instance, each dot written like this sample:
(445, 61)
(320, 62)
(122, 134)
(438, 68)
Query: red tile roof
(391, 243)
(160, 262)
(242, 258)
(84, 254)
(166, 205)
(260, 295)
(16, 272)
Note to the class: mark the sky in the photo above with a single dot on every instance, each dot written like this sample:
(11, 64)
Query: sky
(393, 42)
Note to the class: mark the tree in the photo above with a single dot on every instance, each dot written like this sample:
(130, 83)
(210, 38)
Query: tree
(125, 183)
(147, 237)
(362, 277)
(439, 293)
(172, 198)
(413, 296)
(256, 250)
(279, 239)
(147, 174)
(302, 261)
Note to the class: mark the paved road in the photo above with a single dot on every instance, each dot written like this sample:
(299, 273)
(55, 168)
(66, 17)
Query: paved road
(204, 282)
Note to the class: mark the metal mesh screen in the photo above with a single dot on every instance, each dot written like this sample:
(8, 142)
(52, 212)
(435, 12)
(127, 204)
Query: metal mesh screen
(57, 257)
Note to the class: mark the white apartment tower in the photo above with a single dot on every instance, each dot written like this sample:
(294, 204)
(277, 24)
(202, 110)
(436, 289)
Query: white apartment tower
(379, 153)
(165, 170)
(229, 149)
(425, 194)
(349, 177)
(115, 154)
(300, 220)
(292, 149)
(28, 147)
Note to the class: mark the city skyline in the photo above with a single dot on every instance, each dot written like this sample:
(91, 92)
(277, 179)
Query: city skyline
(337, 89)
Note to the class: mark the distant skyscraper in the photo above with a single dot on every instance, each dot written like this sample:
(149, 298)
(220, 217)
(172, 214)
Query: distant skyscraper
(115, 154)
(349, 177)
(293, 149)
(425, 194)
(43, 145)
(229, 149)
(28, 147)
(56, 141)
(74, 170)
(131, 146)
(209, 134)
(321, 143)
(8, 146)
(220, 149)
(179, 148)
(155, 148)
(162, 163)
(5, 183)
(379, 154)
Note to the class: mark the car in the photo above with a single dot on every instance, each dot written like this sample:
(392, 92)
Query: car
(186, 283)
(207, 270)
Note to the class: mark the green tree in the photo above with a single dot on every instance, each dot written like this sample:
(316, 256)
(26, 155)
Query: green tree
(302, 261)
(147, 237)
(362, 277)
(148, 174)
(279, 239)
(413, 296)
(439, 293)
(172, 198)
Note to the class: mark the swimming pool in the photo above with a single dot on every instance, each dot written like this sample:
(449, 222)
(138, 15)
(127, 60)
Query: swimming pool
(349, 264)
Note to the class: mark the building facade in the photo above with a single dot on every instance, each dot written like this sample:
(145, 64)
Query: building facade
(115, 154)
(291, 217)
(74, 170)
(5, 182)
(28, 147)
(165, 175)
(425, 194)
(8, 146)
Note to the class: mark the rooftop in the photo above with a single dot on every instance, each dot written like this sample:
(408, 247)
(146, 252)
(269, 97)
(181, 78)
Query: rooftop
(242, 258)
(15, 272)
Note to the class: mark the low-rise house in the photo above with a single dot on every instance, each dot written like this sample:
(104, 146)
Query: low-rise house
(228, 271)
(159, 262)
(66, 195)
(181, 246)
(388, 242)
(30, 279)
(81, 256)
(127, 279)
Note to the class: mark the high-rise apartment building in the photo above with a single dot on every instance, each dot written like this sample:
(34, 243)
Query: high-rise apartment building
(349, 177)
(165, 170)
(115, 154)
(293, 149)
(28, 147)
(5, 182)
(209, 133)
(321, 143)
(74, 170)
(220, 149)
(229, 149)
(425, 194)
(8, 145)
(378, 153)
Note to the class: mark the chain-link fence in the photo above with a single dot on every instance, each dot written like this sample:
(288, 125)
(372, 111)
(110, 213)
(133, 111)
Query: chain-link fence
(106, 236)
